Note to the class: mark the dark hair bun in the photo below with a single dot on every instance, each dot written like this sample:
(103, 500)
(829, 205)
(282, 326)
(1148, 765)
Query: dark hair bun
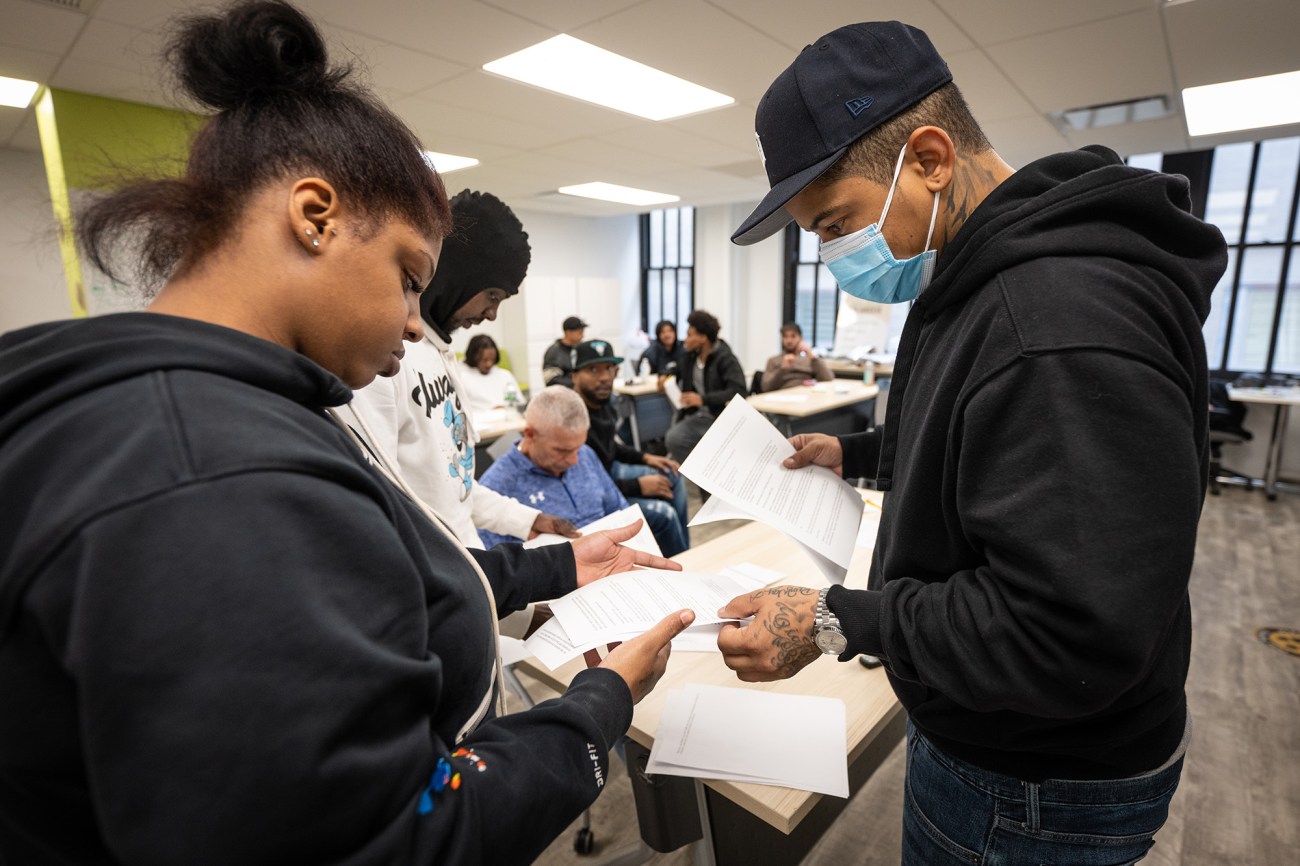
(249, 53)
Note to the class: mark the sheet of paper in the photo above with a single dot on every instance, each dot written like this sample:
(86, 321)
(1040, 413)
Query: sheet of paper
(727, 733)
(739, 461)
(673, 392)
(786, 398)
(632, 602)
(552, 647)
(512, 650)
(644, 540)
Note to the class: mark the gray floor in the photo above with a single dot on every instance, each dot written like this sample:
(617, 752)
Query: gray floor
(1239, 801)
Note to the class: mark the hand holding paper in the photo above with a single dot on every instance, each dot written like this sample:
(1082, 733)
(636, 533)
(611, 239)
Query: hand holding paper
(601, 554)
(778, 643)
(641, 660)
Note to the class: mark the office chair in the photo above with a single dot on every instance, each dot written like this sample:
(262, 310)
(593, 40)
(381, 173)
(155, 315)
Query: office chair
(1226, 419)
(756, 382)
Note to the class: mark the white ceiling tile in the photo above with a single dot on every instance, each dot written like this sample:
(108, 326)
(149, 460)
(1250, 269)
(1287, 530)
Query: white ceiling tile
(798, 24)
(10, 120)
(461, 31)
(104, 80)
(27, 64)
(26, 136)
(686, 38)
(549, 113)
(989, 93)
(732, 126)
(667, 141)
(1060, 70)
(391, 69)
(1127, 139)
(562, 16)
(38, 27)
(599, 155)
(1020, 140)
(1202, 36)
(990, 22)
(147, 14)
(432, 121)
(126, 47)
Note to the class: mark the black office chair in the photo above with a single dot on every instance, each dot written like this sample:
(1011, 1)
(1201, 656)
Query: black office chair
(756, 382)
(1226, 420)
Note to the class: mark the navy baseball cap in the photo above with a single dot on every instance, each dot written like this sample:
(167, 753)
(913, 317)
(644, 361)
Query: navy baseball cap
(594, 352)
(838, 89)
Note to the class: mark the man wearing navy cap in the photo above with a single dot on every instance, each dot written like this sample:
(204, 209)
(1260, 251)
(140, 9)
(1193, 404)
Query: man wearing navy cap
(1044, 453)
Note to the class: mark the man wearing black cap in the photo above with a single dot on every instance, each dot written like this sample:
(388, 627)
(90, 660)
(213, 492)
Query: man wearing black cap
(649, 480)
(418, 418)
(1044, 454)
(557, 363)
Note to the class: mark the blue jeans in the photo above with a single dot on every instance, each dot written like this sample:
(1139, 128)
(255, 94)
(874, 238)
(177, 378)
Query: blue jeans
(667, 519)
(955, 812)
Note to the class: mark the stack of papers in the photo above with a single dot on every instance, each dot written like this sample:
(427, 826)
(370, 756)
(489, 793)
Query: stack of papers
(644, 540)
(622, 606)
(712, 732)
(739, 460)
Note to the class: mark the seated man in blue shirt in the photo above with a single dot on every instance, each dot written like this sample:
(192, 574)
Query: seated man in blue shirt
(649, 480)
(552, 468)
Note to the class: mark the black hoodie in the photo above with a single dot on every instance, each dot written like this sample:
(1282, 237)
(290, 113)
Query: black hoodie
(1045, 455)
(225, 638)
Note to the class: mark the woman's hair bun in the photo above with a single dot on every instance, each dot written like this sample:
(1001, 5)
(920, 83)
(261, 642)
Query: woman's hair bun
(249, 52)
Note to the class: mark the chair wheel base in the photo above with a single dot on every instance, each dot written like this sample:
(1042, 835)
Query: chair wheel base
(584, 842)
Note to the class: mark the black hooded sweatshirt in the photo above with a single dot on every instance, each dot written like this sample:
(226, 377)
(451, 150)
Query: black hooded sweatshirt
(1045, 455)
(225, 638)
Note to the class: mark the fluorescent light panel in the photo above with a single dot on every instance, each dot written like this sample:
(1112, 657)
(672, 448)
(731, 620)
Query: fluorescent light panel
(620, 194)
(446, 163)
(16, 92)
(1251, 103)
(579, 69)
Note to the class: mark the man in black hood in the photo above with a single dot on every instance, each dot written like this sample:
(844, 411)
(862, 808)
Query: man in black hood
(1044, 454)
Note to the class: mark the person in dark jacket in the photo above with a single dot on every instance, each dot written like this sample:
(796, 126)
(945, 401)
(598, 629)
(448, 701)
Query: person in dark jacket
(652, 481)
(666, 353)
(226, 636)
(557, 362)
(1044, 454)
(710, 376)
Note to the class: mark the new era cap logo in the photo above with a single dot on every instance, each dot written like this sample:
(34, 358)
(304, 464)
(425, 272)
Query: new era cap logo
(599, 346)
(859, 105)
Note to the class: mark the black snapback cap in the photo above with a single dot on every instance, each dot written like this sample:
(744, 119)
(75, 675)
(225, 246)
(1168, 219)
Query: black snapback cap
(838, 89)
(594, 352)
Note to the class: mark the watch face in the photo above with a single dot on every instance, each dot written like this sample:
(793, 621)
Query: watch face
(831, 642)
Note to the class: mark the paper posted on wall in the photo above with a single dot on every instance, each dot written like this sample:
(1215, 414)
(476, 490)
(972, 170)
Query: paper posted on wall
(739, 461)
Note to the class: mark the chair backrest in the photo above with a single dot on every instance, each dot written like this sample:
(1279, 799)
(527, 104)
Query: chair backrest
(1226, 415)
(756, 382)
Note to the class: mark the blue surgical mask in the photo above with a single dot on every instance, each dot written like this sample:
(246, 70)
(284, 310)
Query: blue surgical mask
(864, 266)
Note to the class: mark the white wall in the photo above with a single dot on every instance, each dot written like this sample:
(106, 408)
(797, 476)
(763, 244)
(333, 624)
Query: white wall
(32, 287)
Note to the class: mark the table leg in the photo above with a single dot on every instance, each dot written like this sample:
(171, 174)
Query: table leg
(703, 853)
(636, 430)
(1273, 465)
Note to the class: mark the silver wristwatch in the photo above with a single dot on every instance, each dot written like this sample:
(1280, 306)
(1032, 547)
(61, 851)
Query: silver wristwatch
(827, 633)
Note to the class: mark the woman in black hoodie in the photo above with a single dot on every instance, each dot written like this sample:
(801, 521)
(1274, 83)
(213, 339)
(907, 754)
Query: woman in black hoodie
(226, 636)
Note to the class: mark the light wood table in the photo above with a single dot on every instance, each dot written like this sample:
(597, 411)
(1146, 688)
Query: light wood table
(496, 423)
(1281, 399)
(820, 408)
(843, 368)
(788, 821)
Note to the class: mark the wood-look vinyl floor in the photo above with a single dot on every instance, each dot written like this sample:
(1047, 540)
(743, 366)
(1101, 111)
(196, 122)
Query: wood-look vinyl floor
(1239, 800)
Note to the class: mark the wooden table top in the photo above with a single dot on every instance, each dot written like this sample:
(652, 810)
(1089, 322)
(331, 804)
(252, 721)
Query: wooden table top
(801, 401)
(640, 386)
(869, 701)
(496, 422)
(1274, 395)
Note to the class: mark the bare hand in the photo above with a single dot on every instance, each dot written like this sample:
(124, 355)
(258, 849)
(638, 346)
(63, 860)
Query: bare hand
(817, 449)
(641, 660)
(552, 525)
(601, 554)
(779, 642)
(787, 360)
(662, 464)
(655, 486)
(692, 398)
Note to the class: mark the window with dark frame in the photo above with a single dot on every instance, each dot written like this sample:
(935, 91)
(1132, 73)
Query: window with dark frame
(1250, 190)
(667, 267)
(811, 297)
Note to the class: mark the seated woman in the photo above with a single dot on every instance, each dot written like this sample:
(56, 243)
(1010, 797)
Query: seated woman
(488, 386)
(226, 634)
(666, 352)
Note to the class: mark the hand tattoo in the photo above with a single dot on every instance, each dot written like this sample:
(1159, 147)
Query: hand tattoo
(790, 626)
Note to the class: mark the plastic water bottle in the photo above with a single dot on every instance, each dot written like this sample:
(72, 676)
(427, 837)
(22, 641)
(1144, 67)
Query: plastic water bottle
(512, 395)
(868, 373)
(645, 367)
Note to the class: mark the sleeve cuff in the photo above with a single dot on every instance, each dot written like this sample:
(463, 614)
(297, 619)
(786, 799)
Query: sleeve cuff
(858, 611)
(606, 698)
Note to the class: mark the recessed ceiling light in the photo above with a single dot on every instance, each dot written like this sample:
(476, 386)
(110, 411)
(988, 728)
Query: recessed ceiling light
(620, 194)
(1113, 113)
(1251, 103)
(579, 69)
(16, 92)
(445, 163)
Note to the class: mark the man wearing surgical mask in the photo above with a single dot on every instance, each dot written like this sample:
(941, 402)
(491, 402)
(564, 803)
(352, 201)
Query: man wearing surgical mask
(1043, 455)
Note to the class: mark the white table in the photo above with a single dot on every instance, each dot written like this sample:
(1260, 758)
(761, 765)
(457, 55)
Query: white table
(1282, 399)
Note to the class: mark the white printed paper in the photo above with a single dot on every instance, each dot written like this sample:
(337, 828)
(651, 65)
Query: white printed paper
(739, 461)
(727, 733)
(643, 541)
(673, 392)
